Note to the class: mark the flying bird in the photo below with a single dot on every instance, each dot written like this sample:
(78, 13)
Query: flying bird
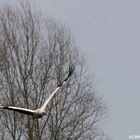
(40, 112)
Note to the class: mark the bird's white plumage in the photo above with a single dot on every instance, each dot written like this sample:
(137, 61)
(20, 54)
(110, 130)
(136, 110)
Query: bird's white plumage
(39, 112)
(18, 108)
(50, 97)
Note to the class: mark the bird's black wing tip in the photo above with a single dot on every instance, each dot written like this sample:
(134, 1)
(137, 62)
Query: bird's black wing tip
(71, 70)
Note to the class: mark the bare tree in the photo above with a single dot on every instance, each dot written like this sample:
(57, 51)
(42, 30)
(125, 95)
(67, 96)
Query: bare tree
(36, 53)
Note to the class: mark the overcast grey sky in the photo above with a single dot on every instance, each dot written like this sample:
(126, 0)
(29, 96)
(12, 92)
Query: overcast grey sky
(108, 34)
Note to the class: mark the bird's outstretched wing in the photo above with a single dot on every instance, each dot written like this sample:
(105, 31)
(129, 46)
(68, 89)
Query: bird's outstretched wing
(32, 112)
(71, 70)
(19, 109)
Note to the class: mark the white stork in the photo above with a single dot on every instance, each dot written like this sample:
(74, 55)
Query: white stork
(39, 112)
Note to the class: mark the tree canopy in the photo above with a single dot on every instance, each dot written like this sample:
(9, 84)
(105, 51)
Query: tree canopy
(35, 53)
